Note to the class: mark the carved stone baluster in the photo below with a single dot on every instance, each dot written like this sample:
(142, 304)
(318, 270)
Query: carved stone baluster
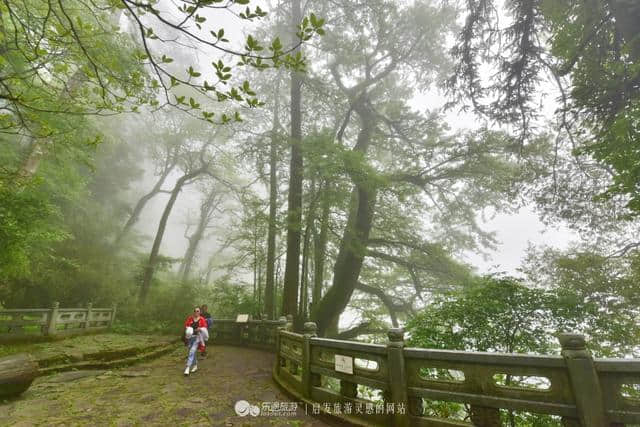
(485, 417)
(584, 381)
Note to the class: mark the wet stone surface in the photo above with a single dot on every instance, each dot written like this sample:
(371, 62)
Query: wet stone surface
(157, 393)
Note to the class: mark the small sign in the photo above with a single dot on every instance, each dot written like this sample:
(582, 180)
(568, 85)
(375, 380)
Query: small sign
(344, 364)
(242, 318)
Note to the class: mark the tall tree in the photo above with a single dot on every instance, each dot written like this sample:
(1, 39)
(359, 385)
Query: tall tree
(196, 165)
(269, 290)
(165, 152)
(208, 206)
(294, 208)
(393, 156)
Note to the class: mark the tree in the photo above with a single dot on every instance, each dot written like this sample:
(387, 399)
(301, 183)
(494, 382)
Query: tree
(492, 314)
(269, 289)
(294, 208)
(593, 55)
(194, 164)
(598, 292)
(164, 144)
(395, 159)
(64, 60)
(58, 230)
(208, 207)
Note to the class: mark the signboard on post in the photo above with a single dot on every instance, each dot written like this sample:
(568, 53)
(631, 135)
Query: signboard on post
(344, 364)
(242, 318)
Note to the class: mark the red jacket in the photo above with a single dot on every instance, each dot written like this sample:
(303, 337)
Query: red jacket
(202, 322)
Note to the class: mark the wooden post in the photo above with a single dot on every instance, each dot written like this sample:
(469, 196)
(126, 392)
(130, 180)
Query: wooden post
(53, 315)
(309, 330)
(397, 375)
(87, 320)
(113, 314)
(584, 381)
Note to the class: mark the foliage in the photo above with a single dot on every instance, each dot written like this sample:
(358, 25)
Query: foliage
(228, 299)
(592, 55)
(27, 229)
(598, 295)
(68, 58)
(491, 314)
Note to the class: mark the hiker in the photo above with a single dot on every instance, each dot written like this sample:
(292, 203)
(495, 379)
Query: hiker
(204, 312)
(194, 325)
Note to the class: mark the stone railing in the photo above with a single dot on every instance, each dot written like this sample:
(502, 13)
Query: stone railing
(54, 321)
(394, 385)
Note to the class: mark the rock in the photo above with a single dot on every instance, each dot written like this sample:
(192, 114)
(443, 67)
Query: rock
(17, 372)
(134, 373)
(74, 375)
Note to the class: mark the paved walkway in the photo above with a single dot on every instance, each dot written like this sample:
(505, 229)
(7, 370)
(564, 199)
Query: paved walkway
(157, 393)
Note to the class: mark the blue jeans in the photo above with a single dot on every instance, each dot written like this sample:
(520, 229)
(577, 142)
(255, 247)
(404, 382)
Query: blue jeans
(193, 348)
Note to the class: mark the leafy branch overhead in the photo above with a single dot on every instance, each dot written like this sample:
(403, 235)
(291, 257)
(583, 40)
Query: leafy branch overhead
(109, 56)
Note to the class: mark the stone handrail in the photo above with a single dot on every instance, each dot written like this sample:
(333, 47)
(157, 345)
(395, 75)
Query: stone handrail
(54, 321)
(391, 384)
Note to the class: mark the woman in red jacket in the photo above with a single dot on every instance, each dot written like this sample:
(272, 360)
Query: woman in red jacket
(194, 322)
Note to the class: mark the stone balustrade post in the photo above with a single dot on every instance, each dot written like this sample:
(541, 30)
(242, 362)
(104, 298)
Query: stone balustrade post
(289, 322)
(87, 320)
(113, 314)
(584, 382)
(309, 379)
(282, 325)
(485, 417)
(293, 366)
(397, 376)
(53, 316)
(348, 389)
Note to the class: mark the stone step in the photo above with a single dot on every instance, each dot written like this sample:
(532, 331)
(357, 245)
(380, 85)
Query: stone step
(150, 352)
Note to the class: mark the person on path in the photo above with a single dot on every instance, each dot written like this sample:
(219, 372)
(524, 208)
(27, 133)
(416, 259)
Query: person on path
(204, 312)
(194, 326)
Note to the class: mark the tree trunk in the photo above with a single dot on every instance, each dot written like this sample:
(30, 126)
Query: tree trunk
(346, 270)
(135, 214)
(627, 16)
(269, 289)
(294, 209)
(349, 262)
(153, 257)
(17, 372)
(386, 300)
(304, 282)
(255, 259)
(320, 248)
(206, 210)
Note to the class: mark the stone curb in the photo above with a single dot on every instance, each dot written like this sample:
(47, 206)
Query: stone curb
(114, 358)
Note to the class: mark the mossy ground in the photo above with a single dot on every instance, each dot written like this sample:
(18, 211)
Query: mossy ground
(157, 393)
(81, 344)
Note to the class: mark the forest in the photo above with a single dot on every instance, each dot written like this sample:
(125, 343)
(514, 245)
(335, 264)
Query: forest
(332, 160)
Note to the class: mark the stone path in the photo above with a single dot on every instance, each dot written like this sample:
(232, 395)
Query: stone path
(157, 393)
